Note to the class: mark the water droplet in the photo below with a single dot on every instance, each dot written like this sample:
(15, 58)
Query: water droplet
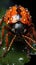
(23, 50)
(20, 59)
(30, 16)
(26, 9)
(13, 30)
(25, 30)
(25, 47)
(9, 7)
(12, 48)
(13, 63)
(7, 64)
(4, 48)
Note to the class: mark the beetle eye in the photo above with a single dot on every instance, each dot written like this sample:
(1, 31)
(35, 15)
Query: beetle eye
(13, 30)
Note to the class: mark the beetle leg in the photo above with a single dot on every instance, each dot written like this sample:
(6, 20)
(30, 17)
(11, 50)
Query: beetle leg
(28, 42)
(6, 40)
(7, 49)
(0, 38)
(29, 39)
(11, 43)
(0, 22)
(30, 45)
(0, 42)
(30, 36)
(34, 32)
(3, 31)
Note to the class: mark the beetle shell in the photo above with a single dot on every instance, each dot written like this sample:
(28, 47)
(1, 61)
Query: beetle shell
(12, 15)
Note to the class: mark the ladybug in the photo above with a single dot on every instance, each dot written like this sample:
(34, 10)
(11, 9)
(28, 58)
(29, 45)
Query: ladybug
(19, 22)
(18, 19)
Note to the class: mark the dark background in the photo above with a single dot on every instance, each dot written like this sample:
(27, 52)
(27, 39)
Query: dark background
(32, 61)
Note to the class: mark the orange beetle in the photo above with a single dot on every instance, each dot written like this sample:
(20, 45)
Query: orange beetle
(19, 22)
(13, 16)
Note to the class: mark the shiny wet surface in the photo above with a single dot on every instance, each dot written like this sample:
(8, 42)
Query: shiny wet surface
(18, 28)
